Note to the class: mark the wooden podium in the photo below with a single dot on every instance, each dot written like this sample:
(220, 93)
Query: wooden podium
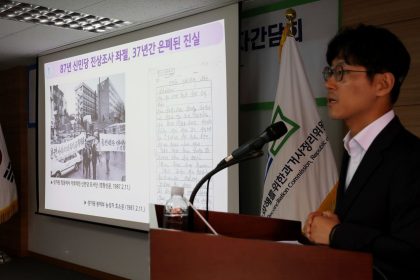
(247, 247)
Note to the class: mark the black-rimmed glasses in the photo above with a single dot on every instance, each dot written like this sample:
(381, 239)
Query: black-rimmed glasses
(338, 72)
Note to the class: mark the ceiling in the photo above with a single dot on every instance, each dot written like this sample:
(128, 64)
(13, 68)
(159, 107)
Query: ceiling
(21, 43)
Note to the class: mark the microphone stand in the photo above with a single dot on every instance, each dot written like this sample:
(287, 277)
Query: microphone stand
(218, 168)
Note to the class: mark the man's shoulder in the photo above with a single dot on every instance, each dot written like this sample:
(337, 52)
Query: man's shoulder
(406, 145)
(396, 142)
(409, 138)
(398, 134)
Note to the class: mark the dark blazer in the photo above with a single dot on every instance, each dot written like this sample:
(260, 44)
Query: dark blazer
(380, 210)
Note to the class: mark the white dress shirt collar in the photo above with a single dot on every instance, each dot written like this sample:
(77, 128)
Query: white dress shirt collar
(359, 144)
(366, 136)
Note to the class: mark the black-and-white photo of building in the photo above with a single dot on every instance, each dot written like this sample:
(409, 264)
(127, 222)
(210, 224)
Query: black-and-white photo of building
(88, 129)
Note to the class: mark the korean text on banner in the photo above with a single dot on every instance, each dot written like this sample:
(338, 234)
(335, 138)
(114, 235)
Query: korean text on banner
(301, 168)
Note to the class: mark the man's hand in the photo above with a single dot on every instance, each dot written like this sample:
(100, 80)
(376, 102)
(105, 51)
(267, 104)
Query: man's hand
(318, 226)
(308, 223)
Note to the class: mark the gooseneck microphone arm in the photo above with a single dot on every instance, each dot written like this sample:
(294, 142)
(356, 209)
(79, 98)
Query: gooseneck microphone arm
(220, 167)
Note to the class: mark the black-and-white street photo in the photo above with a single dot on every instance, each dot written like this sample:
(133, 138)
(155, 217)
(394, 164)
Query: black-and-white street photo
(88, 129)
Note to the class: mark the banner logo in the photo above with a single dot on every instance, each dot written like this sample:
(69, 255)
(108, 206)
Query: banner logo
(292, 127)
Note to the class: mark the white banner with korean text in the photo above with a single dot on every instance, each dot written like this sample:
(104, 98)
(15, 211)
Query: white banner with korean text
(301, 169)
(111, 142)
(68, 147)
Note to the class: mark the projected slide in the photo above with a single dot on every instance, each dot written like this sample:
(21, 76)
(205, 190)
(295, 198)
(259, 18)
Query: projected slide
(126, 123)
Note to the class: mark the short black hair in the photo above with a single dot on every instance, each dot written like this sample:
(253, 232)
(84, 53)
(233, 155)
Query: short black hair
(373, 47)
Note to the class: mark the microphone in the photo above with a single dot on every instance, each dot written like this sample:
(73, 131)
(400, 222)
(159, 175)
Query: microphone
(249, 150)
(271, 133)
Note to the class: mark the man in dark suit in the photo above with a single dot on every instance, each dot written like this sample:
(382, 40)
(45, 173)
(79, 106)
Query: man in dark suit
(378, 197)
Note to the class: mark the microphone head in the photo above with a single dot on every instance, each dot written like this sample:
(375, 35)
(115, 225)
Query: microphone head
(271, 133)
(276, 130)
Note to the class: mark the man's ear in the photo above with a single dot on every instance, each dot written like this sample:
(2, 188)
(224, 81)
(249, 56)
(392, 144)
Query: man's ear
(384, 83)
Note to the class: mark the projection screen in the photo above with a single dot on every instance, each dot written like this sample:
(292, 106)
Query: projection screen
(123, 119)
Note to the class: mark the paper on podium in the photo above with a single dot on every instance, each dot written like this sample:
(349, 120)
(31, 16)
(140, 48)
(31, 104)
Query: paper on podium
(202, 218)
(294, 242)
